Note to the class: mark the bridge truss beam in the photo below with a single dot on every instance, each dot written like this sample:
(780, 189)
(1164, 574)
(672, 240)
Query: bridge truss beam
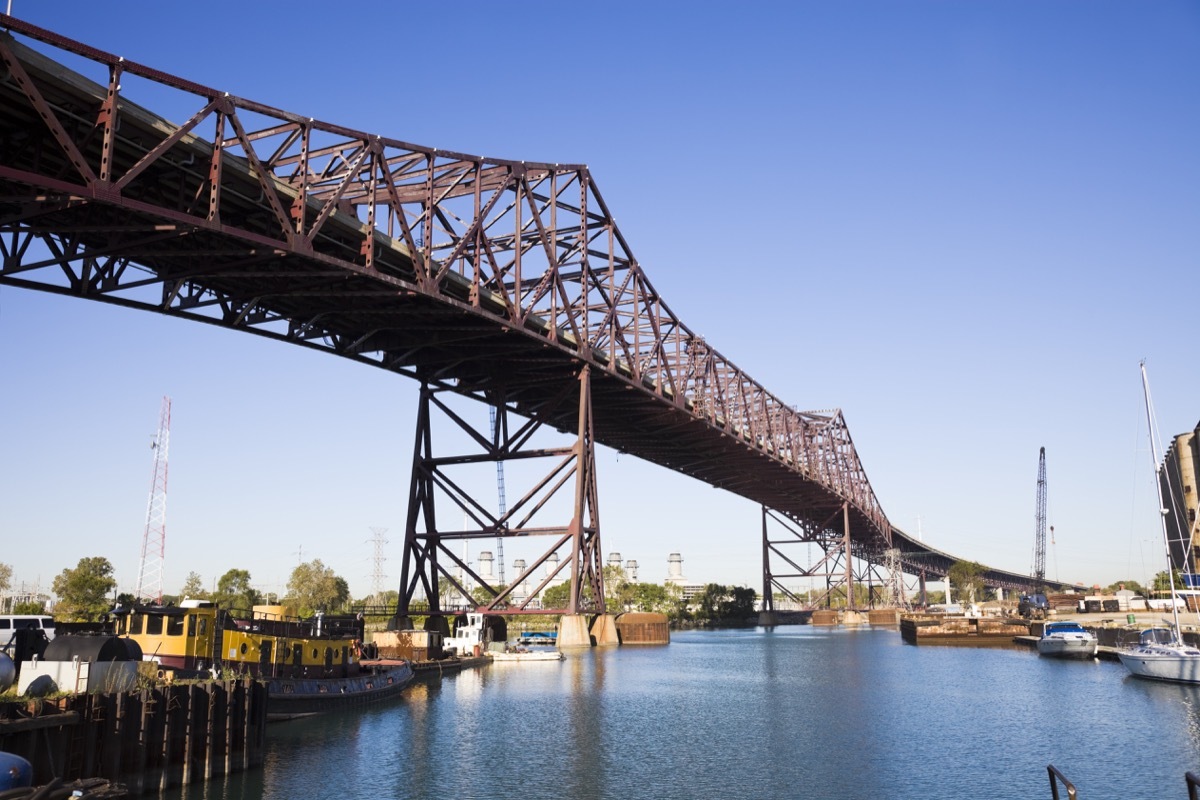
(445, 267)
(456, 270)
(430, 562)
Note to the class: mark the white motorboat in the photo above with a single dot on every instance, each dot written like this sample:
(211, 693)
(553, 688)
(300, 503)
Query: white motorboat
(1067, 640)
(1161, 653)
(516, 656)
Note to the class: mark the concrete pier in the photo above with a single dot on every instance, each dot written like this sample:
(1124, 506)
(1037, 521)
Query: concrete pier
(604, 631)
(573, 631)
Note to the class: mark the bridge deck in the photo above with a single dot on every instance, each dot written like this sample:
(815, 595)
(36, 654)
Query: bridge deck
(260, 220)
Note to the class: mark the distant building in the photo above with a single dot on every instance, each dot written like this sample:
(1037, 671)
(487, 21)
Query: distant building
(675, 577)
(1180, 477)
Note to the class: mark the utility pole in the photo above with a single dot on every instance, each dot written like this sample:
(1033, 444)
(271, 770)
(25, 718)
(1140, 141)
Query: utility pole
(154, 540)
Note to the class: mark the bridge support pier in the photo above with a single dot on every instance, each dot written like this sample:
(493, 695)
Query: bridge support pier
(604, 631)
(573, 631)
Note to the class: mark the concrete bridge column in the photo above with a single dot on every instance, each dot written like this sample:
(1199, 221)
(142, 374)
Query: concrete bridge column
(573, 631)
(604, 630)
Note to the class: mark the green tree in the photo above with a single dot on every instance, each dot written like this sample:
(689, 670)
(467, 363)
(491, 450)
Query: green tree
(1163, 584)
(193, 588)
(651, 597)
(738, 605)
(708, 602)
(1129, 585)
(5, 577)
(83, 591)
(618, 591)
(479, 594)
(557, 596)
(315, 587)
(967, 579)
(29, 607)
(235, 592)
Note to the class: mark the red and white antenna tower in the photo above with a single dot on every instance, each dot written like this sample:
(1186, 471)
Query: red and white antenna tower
(154, 542)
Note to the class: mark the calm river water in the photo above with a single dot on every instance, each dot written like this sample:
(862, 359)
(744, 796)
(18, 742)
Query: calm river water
(790, 712)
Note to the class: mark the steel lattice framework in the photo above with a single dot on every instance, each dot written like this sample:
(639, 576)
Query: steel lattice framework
(460, 271)
(154, 538)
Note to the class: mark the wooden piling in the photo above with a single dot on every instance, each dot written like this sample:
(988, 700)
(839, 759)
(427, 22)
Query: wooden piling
(149, 740)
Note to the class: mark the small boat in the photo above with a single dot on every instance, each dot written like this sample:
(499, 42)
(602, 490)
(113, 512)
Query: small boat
(310, 666)
(522, 655)
(1161, 653)
(1067, 640)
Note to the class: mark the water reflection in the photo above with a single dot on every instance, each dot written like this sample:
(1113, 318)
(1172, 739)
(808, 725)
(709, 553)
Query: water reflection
(789, 712)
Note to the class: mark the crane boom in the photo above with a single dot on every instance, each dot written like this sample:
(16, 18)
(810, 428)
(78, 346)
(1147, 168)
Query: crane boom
(1039, 545)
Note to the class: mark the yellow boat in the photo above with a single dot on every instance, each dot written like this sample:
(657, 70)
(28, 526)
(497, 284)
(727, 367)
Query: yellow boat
(310, 665)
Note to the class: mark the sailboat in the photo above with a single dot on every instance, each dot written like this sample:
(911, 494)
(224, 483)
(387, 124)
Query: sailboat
(1160, 653)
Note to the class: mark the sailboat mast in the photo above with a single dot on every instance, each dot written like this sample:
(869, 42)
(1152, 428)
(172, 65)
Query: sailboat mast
(1152, 424)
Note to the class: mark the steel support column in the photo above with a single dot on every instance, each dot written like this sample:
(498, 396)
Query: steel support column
(431, 568)
(834, 564)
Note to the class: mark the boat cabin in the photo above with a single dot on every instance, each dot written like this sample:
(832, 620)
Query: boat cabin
(197, 635)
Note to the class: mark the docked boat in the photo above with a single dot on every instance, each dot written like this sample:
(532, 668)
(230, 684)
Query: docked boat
(1161, 656)
(522, 655)
(310, 666)
(1067, 640)
(1161, 653)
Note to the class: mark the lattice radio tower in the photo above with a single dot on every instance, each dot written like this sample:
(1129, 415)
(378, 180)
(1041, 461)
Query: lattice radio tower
(154, 541)
(377, 575)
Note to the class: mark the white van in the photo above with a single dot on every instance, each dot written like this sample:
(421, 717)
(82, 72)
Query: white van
(14, 622)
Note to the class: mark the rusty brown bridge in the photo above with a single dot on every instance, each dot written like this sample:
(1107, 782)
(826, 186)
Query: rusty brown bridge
(507, 282)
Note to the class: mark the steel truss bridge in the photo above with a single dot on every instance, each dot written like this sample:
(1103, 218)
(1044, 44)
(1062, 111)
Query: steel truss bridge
(503, 281)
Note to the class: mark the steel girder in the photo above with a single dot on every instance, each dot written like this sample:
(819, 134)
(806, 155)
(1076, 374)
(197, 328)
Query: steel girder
(450, 268)
(453, 269)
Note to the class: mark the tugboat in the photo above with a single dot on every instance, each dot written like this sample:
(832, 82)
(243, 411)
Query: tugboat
(310, 666)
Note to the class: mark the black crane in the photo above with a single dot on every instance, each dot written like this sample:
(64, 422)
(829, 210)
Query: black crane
(1039, 544)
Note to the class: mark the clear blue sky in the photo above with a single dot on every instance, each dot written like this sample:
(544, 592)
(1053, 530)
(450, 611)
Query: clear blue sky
(961, 223)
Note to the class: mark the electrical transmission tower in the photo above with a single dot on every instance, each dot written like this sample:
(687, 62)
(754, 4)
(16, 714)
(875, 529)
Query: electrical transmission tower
(377, 575)
(500, 491)
(894, 589)
(1039, 544)
(154, 541)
